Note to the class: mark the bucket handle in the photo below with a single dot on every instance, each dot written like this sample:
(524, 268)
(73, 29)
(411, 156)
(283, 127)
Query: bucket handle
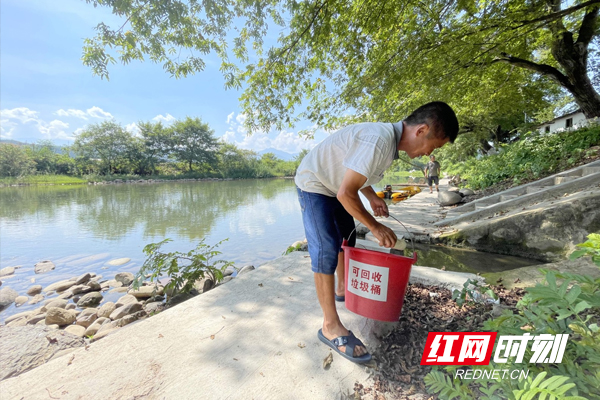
(412, 242)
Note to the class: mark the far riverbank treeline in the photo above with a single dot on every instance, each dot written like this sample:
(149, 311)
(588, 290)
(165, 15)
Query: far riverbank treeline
(185, 149)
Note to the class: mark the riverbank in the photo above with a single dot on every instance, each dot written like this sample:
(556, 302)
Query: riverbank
(49, 180)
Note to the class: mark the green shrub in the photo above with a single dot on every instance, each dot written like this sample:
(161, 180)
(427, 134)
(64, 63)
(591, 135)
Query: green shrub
(183, 269)
(591, 248)
(534, 156)
(15, 161)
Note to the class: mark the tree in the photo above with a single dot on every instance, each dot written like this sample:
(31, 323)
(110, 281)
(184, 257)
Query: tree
(237, 163)
(14, 161)
(194, 143)
(42, 153)
(156, 143)
(108, 142)
(381, 59)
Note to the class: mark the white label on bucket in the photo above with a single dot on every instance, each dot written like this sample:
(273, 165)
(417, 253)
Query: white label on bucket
(368, 281)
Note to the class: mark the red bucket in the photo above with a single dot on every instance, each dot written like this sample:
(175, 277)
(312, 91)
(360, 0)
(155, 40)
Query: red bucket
(376, 282)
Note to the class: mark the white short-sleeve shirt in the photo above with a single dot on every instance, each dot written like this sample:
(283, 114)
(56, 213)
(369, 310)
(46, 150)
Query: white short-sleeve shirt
(367, 148)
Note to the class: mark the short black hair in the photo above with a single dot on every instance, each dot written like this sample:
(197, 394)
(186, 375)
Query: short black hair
(439, 116)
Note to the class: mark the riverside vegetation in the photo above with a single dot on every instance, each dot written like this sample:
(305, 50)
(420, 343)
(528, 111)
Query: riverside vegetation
(186, 149)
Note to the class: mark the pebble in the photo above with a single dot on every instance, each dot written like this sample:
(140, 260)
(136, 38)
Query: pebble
(90, 300)
(33, 290)
(119, 261)
(44, 266)
(76, 330)
(20, 300)
(7, 271)
(106, 310)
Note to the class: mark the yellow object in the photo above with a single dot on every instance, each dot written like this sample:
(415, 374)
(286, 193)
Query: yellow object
(406, 192)
(401, 194)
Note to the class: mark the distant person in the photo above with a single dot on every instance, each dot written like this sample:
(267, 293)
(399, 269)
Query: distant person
(432, 171)
(329, 180)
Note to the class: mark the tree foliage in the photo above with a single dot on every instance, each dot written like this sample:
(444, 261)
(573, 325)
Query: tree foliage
(194, 143)
(490, 59)
(14, 161)
(107, 142)
(185, 148)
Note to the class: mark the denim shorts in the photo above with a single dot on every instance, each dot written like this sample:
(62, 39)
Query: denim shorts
(326, 224)
(433, 179)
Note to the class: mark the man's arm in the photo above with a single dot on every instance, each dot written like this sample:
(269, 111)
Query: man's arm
(380, 208)
(348, 196)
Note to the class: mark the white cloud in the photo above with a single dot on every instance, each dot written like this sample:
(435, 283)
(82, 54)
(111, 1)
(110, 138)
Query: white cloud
(230, 117)
(133, 128)
(16, 124)
(97, 112)
(72, 113)
(94, 112)
(78, 131)
(7, 129)
(289, 142)
(241, 118)
(23, 114)
(54, 130)
(161, 118)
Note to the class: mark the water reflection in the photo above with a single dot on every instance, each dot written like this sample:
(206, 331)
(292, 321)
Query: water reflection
(130, 215)
(464, 260)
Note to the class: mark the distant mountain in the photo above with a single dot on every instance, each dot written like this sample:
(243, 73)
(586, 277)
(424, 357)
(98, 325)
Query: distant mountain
(285, 156)
(9, 141)
(56, 149)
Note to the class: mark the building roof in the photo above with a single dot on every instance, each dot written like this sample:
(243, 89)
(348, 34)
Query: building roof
(562, 116)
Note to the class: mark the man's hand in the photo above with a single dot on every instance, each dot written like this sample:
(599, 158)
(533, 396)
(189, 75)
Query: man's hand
(386, 236)
(379, 206)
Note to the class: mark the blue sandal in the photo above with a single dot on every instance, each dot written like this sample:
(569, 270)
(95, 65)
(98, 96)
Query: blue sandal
(350, 342)
(340, 298)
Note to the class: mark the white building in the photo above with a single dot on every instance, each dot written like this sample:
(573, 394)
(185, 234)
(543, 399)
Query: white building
(572, 120)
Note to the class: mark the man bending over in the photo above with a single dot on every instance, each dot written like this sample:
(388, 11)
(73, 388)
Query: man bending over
(329, 180)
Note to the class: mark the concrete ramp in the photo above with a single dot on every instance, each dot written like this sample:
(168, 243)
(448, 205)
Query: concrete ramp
(255, 337)
(252, 338)
(561, 184)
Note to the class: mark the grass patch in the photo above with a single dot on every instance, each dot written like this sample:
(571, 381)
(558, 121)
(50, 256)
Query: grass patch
(43, 180)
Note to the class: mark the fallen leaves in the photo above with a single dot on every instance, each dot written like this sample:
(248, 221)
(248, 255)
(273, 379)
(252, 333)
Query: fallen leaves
(327, 360)
(399, 353)
(301, 345)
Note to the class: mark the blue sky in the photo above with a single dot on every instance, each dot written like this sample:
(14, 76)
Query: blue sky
(47, 93)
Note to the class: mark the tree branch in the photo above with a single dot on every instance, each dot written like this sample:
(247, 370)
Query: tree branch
(543, 69)
(587, 28)
(312, 21)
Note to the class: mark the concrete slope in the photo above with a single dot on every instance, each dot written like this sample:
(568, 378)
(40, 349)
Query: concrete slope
(546, 231)
(264, 346)
(566, 182)
(253, 338)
